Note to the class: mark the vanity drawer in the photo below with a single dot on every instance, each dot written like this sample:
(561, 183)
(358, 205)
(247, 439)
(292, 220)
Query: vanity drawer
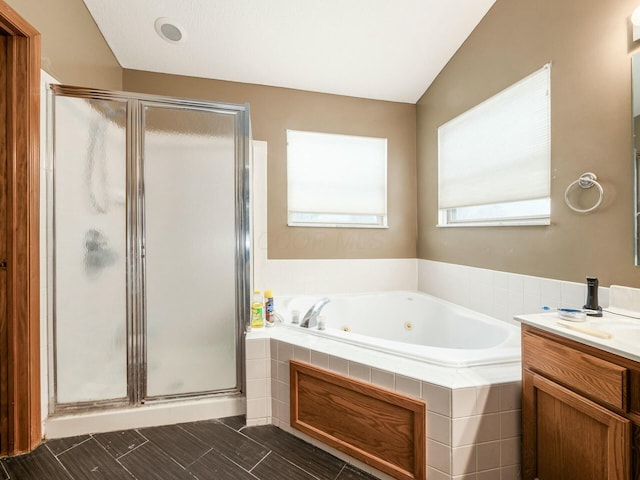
(598, 379)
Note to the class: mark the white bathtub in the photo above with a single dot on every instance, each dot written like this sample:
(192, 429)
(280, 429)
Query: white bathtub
(413, 325)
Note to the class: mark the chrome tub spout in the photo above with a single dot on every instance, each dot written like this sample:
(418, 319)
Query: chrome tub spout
(311, 317)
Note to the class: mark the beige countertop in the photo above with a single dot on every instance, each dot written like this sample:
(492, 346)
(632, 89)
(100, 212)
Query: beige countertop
(624, 331)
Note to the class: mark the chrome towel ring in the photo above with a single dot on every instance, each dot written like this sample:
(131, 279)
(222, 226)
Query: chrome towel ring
(586, 180)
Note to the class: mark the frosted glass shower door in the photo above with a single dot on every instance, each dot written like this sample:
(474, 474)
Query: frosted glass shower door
(188, 168)
(90, 271)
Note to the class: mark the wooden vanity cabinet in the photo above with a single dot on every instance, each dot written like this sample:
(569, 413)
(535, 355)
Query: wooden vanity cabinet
(580, 415)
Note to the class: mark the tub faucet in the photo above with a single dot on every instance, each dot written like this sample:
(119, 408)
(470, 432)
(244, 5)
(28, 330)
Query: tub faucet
(311, 317)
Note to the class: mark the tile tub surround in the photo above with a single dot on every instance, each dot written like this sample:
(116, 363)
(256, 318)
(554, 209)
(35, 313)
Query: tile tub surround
(316, 277)
(473, 414)
(502, 295)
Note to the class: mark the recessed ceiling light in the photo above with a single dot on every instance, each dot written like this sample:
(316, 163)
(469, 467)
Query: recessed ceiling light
(170, 30)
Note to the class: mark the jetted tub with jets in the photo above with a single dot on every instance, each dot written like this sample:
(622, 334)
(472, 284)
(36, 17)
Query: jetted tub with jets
(409, 324)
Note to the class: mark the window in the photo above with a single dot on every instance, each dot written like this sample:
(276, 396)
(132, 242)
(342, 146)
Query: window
(336, 180)
(494, 160)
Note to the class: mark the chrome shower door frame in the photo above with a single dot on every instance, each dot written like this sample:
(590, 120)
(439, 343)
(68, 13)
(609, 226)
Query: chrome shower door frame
(136, 262)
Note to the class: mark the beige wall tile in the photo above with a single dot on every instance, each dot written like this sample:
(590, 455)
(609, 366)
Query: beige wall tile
(488, 399)
(463, 402)
(511, 424)
(285, 352)
(489, 427)
(464, 460)
(339, 365)
(256, 369)
(408, 386)
(359, 371)
(510, 451)
(382, 378)
(511, 396)
(319, 359)
(433, 474)
(284, 372)
(489, 475)
(439, 456)
(439, 428)
(464, 431)
(438, 398)
(489, 456)
(302, 354)
(256, 349)
(511, 473)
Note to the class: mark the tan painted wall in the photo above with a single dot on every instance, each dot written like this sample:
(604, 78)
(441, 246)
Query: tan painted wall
(273, 110)
(589, 43)
(73, 49)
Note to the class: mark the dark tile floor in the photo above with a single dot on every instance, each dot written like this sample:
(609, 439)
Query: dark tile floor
(222, 449)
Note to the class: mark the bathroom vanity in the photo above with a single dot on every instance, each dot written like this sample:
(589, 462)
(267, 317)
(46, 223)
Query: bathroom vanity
(580, 400)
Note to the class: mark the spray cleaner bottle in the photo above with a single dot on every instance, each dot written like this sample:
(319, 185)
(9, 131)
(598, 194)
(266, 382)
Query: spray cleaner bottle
(269, 314)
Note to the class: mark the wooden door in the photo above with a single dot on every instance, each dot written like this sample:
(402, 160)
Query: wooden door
(20, 429)
(4, 416)
(567, 437)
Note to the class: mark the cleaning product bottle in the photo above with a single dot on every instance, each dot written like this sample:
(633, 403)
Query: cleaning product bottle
(269, 317)
(257, 320)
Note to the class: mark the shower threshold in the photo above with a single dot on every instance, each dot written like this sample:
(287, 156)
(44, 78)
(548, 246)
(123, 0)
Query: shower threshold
(150, 415)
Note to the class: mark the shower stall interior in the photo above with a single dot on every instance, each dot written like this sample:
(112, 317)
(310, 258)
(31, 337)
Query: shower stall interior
(149, 239)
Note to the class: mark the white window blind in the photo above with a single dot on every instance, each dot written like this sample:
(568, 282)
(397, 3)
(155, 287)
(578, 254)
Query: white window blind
(336, 180)
(499, 151)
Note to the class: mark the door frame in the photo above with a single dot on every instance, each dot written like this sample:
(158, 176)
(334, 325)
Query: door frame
(20, 417)
(136, 262)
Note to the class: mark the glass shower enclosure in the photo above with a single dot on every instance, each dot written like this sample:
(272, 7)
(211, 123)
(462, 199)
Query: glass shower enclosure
(150, 248)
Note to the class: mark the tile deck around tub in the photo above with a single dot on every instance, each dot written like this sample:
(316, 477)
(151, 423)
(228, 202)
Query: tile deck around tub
(222, 449)
(473, 432)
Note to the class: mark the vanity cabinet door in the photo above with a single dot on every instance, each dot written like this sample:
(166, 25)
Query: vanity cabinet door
(568, 437)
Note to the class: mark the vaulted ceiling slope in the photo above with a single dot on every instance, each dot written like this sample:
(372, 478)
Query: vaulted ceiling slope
(378, 49)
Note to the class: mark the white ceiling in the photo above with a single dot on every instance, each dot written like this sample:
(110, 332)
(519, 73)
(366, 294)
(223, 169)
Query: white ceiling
(380, 49)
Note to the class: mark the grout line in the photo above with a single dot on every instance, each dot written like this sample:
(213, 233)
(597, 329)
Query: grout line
(205, 453)
(291, 463)
(58, 460)
(174, 460)
(260, 461)
(70, 448)
(307, 472)
(116, 459)
(168, 455)
(340, 472)
(202, 442)
(6, 474)
(146, 440)
(192, 434)
(240, 466)
(127, 470)
(237, 430)
(257, 442)
(137, 430)
(315, 447)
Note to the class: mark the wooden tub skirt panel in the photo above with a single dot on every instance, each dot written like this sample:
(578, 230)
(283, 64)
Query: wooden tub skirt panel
(372, 424)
